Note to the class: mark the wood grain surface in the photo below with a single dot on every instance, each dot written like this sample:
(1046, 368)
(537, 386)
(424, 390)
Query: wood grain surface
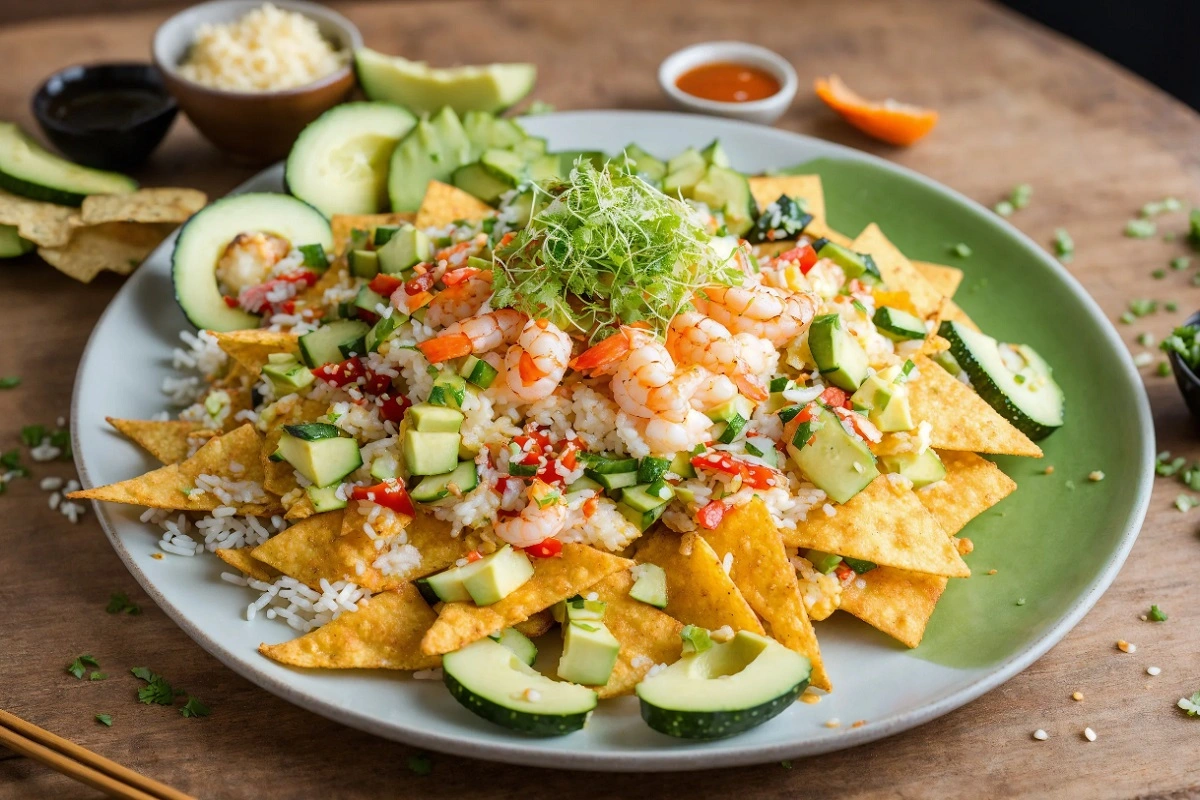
(1018, 105)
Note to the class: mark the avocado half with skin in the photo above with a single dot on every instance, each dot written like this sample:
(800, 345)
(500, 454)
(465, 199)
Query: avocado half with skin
(424, 89)
(203, 239)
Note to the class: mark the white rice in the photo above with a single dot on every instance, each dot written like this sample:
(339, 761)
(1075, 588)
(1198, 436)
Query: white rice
(300, 606)
(607, 528)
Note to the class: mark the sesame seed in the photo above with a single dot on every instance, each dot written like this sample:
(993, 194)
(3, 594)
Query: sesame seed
(1076, 696)
(1126, 647)
(1153, 670)
(833, 722)
(1089, 734)
(1041, 735)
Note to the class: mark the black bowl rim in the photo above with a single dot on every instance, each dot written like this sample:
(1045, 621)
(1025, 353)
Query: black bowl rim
(78, 72)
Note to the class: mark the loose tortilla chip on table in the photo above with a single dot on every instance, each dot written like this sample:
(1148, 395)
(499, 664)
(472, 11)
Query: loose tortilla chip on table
(251, 348)
(647, 636)
(895, 601)
(240, 559)
(166, 440)
(444, 204)
(698, 590)
(766, 578)
(537, 625)
(898, 272)
(172, 486)
(44, 224)
(972, 485)
(945, 279)
(578, 568)
(961, 419)
(114, 246)
(884, 523)
(384, 633)
(163, 205)
(343, 224)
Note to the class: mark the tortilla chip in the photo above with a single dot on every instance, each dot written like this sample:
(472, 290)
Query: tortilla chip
(251, 348)
(949, 310)
(897, 602)
(444, 204)
(240, 559)
(972, 485)
(961, 419)
(942, 278)
(833, 236)
(647, 635)
(166, 440)
(766, 578)
(884, 523)
(298, 507)
(44, 224)
(342, 224)
(279, 477)
(385, 633)
(115, 246)
(934, 344)
(170, 486)
(537, 625)
(698, 590)
(165, 205)
(767, 189)
(314, 295)
(898, 272)
(307, 551)
(554, 579)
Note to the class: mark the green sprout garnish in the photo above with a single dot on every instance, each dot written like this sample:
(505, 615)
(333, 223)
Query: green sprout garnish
(1064, 245)
(1140, 229)
(605, 249)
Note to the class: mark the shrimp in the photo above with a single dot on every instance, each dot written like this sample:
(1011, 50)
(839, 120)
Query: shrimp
(536, 359)
(713, 391)
(459, 301)
(693, 338)
(762, 311)
(543, 518)
(248, 259)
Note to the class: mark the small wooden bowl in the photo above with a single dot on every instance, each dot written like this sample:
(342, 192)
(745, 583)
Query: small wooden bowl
(256, 127)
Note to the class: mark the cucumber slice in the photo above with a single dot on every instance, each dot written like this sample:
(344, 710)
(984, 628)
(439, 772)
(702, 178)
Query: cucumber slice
(493, 682)
(505, 166)
(651, 469)
(584, 484)
(431, 151)
(898, 325)
(11, 243)
(604, 465)
(449, 389)
(323, 346)
(854, 265)
(416, 85)
(26, 169)
(339, 163)
(1013, 379)
(612, 481)
(518, 642)
(648, 496)
(432, 488)
(683, 172)
(324, 498)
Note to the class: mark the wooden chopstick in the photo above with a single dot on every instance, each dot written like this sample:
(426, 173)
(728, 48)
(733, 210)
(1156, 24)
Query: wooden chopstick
(80, 763)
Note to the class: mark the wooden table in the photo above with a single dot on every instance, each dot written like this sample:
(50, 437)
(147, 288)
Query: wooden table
(1018, 105)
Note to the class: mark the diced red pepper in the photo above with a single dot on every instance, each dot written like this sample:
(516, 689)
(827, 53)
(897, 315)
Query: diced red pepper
(461, 275)
(232, 302)
(502, 484)
(756, 476)
(547, 548)
(804, 256)
(843, 572)
(377, 384)
(423, 282)
(389, 494)
(288, 307)
(835, 397)
(392, 408)
(710, 516)
(385, 284)
(589, 507)
(474, 555)
(341, 373)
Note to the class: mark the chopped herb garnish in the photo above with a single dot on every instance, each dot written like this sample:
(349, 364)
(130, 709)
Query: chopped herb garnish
(32, 435)
(120, 603)
(1166, 466)
(785, 764)
(1196, 279)
(104, 719)
(1186, 502)
(194, 708)
(1156, 614)
(1190, 704)
(962, 250)
(1170, 305)
(1140, 229)
(1064, 245)
(1158, 274)
(79, 666)
(420, 765)
(98, 676)
(607, 249)
(10, 382)
(1184, 343)
(1145, 339)
(1070, 484)
(1127, 318)
(1163, 369)
(1022, 193)
(156, 690)
(1140, 307)
(1181, 262)
(1004, 208)
(858, 305)
(1156, 207)
(62, 440)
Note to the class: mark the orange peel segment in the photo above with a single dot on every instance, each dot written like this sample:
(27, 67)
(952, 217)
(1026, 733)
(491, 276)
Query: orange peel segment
(890, 121)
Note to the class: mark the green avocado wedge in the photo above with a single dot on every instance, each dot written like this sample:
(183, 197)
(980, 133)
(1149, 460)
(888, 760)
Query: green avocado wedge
(425, 89)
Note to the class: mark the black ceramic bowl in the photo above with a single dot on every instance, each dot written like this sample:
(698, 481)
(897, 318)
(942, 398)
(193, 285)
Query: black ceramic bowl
(1187, 380)
(109, 116)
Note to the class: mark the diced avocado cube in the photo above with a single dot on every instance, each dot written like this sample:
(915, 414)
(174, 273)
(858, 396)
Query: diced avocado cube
(837, 462)
(324, 498)
(494, 577)
(321, 461)
(695, 639)
(589, 653)
(823, 562)
(407, 248)
(435, 419)
(839, 356)
(681, 465)
(921, 468)
(446, 586)
(582, 609)
(430, 452)
(649, 585)
(737, 406)
(287, 377)
(363, 263)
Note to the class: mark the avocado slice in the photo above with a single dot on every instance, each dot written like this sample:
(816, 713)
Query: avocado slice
(424, 89)
(589, 653)
(839, 356)
(430, 452)
(323, 461)
(921, 468)
(495, 576)
(838, 463)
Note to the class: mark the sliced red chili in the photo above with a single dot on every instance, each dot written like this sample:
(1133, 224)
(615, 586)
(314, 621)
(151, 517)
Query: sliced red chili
(547, 548)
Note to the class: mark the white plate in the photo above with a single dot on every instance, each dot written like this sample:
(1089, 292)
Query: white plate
(129, 355)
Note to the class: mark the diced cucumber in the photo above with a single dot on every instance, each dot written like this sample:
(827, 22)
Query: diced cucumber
(458, 482)
(681, 465)
(383, 328)
(606, 465)
(430, 453)
(640, 497)
(449, 389)
(652, 468)
(584, 484)
(324, 345)
(651, 168)
(715, 155)
(324, 498)
(822, 562)
(612, 481)
(314, 257)
(363, 263)
(897, 324)
(385, 467)
(763, 449)
(859, 565)
(683, 172)
(649, 585)
(369, 300)
(737, 406)
(641, 519)
(921, 468)
(854, 265)
(478, 372)
(475, 180)
(404, 250)
(445, 587)
(435, 419)
(322, 461)
(505, 166)
(287, 375)
(729, 429)
(783, 219)
(839, 356)
(838, 463)
(727, 190)
(518, 642)
(567, 159)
